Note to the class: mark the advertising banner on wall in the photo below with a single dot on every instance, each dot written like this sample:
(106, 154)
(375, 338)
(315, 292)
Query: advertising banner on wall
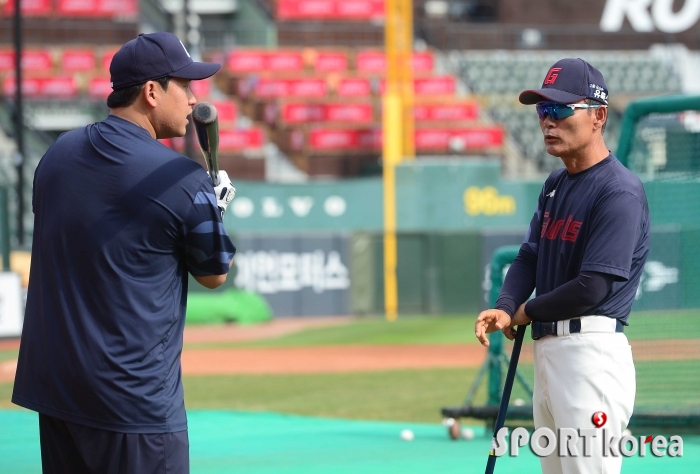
(469, 194)
(337, 206)
(448, 195)
(571, 25)
(298, 275)
(610, 16)
(659, 287)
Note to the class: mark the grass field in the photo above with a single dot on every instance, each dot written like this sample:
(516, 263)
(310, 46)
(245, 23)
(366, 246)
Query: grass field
(413, 395)
(305, 423)
(404, 395)
(8, 355)
(375, 330)
(647, 325)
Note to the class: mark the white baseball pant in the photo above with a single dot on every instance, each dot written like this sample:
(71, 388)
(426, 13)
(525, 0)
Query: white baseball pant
(577, 375)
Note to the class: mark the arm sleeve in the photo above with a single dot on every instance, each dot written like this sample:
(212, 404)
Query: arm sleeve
(571, 299)
(208, 248)
(522, 275)
(519, 283)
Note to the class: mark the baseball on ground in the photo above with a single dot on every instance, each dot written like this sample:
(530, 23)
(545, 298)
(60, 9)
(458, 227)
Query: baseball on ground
(407, 435)
(467, 433)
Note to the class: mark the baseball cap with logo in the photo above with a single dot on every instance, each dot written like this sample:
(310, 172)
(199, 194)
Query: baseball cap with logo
(569, 80)
(155, 55)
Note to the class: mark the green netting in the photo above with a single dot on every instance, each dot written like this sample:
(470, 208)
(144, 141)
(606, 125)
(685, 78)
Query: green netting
(223, 442)
(662, 145)
(243, 307)
(667, 363)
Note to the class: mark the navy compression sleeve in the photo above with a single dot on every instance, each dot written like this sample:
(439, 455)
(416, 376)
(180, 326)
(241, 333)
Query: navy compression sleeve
(519, 283)
(571, 299)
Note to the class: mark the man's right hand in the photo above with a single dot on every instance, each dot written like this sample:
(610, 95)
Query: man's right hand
(224, 192)
(518, 319)
(489, 321)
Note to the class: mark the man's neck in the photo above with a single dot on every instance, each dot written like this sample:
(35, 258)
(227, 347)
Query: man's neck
(586, 157)
(131, 115)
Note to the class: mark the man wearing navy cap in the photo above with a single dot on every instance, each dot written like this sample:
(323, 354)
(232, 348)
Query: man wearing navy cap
(583, 254)
(120, 223)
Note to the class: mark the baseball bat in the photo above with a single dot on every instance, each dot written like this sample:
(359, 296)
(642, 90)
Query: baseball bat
(505, 398)
(206, 125)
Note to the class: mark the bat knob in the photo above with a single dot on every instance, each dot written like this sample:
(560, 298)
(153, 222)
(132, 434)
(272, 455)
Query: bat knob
(204, 113)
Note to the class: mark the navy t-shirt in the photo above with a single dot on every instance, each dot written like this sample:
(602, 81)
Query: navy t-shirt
(593, 221)
(120, 221)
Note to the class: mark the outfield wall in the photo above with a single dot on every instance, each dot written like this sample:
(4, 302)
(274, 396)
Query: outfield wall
(317, 249)
(316, 274)
(432, 195)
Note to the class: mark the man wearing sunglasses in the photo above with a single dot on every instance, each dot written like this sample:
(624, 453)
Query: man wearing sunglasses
(583, 254)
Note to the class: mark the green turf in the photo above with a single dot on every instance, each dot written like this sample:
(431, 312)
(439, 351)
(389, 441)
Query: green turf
(407, 395)
(224, 442)
(646, 325)
(668, 324)
(668, 386)
(8, 355)
(375, 330)
(5, 395)
(402, 395)
(662, 386)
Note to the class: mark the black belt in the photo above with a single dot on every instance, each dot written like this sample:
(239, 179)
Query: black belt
(541, 329)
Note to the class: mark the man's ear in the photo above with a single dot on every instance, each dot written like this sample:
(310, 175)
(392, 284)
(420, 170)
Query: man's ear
(150, 93)
(601, 116)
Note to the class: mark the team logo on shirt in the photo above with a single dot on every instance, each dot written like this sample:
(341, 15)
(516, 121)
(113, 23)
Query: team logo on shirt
(567, 229)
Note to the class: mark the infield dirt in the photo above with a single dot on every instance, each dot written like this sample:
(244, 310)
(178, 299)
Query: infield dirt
(345, 358)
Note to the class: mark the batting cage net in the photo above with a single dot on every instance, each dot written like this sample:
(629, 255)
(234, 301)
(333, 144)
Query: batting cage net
(664, 328)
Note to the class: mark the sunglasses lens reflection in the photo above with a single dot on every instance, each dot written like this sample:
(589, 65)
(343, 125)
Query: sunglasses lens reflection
(554, 110)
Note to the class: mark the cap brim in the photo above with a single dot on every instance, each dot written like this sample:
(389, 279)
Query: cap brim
(533, 96)
(195, 71)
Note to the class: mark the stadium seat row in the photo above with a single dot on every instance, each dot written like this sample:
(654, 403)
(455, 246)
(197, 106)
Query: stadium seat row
(73, 8)
(59, 60)
(363, 61)
(96, 87)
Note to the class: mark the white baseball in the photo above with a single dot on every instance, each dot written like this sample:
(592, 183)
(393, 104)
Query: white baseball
(407, 435)
(518, 402)
(467, 433)
(447, 422)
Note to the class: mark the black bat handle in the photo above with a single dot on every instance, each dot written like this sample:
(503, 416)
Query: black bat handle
(206, 125)
(505, 398)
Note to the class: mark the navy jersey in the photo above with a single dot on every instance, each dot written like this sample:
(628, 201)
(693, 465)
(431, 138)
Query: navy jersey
(598, 221)
(120, 221)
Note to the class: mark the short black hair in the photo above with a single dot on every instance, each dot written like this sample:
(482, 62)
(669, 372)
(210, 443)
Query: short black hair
(595, 102)
(126, 96)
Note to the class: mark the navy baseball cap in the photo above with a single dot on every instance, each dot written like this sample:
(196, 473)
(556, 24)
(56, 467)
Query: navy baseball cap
(569, 80)
(155, 55)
